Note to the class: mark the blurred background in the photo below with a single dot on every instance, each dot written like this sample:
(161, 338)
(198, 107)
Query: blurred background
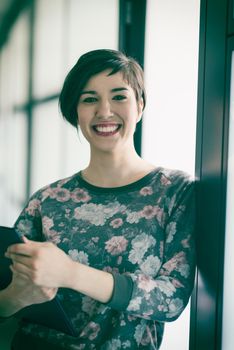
(40, 41)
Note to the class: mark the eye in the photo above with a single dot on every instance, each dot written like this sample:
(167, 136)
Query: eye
(119, 97)
(89, 99)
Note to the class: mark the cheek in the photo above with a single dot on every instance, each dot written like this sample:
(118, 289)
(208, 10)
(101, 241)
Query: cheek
(132, 115)
(81, 123)
(127, 111)
(81, 115)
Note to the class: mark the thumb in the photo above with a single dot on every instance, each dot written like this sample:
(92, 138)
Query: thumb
(25, 239)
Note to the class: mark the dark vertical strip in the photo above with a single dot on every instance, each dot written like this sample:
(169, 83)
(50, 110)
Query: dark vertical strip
(230, 50)
(29, 110)
(132, 40)
(206, 311)
(199, 146)
(231, 18)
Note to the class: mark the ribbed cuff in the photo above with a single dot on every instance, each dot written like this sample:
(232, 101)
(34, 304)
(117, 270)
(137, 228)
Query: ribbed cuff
(122, 292)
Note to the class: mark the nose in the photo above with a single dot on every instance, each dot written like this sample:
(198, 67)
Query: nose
(104, 109)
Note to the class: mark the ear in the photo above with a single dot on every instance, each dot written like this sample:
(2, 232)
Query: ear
(140, 109)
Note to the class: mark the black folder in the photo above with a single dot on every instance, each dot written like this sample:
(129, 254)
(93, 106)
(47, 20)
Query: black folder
(50, 314)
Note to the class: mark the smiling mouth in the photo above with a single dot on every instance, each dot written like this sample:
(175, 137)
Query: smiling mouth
(106, 129)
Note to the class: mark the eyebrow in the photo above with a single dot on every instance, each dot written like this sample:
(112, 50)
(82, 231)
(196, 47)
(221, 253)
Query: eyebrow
(93, 92)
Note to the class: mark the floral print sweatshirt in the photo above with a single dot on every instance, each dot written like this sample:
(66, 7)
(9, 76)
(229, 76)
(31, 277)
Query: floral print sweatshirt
(142, 233)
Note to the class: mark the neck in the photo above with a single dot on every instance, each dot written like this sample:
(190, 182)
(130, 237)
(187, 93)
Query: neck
(113, 170)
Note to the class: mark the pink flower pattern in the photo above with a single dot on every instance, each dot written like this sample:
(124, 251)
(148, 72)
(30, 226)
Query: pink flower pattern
(47, 223)
(33, 207)
(149, 212)
(61, 194)
(79, 195)
(116, 245)
(146, 191)
(146, 283)
(141, 235)
(91, 331)
(116, 223)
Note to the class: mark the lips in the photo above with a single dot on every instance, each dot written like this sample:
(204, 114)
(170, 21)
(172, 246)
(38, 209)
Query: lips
(106, 129)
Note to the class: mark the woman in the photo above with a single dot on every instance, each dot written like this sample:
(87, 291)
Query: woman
(119, 248)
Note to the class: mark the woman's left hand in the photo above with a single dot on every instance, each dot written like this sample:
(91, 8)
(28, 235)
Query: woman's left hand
(43, 263)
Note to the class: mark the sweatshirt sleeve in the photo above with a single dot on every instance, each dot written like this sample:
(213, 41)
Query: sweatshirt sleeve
(164, 296)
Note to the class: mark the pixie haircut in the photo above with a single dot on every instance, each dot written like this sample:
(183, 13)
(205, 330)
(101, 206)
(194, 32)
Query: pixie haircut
(90, 64)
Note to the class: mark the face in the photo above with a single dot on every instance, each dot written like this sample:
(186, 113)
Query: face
(108, 112)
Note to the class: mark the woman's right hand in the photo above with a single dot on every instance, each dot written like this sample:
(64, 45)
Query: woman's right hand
(20, 293)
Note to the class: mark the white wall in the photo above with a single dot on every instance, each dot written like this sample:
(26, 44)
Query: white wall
(169, 122)
(171, 68)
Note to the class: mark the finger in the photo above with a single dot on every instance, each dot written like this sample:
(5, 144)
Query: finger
(25, 239)
(13, 255)
(19, 272)
(22, 259)
(22, 249)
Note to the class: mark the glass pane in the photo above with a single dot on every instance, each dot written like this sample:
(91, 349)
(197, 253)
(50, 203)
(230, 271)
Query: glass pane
(63, 31)
(92, 25)
(18, 71)
(13, 129)
(5, 86)
(57, 150)
(13, 139)
(14, 66)
(228, 293)
(48, 50)
(169, 121)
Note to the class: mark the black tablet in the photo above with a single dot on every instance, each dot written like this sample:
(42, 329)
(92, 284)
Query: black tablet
(8, 236)
(50, 314)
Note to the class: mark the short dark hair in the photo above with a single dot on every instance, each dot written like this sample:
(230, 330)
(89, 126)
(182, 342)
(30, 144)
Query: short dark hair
(90, 64)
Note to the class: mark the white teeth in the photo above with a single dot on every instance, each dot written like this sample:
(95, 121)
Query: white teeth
(108, 128)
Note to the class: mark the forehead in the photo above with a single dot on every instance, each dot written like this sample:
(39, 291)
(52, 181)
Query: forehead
(103, 79)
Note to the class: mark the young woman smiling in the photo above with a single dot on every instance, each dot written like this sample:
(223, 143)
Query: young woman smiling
(118, 236)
